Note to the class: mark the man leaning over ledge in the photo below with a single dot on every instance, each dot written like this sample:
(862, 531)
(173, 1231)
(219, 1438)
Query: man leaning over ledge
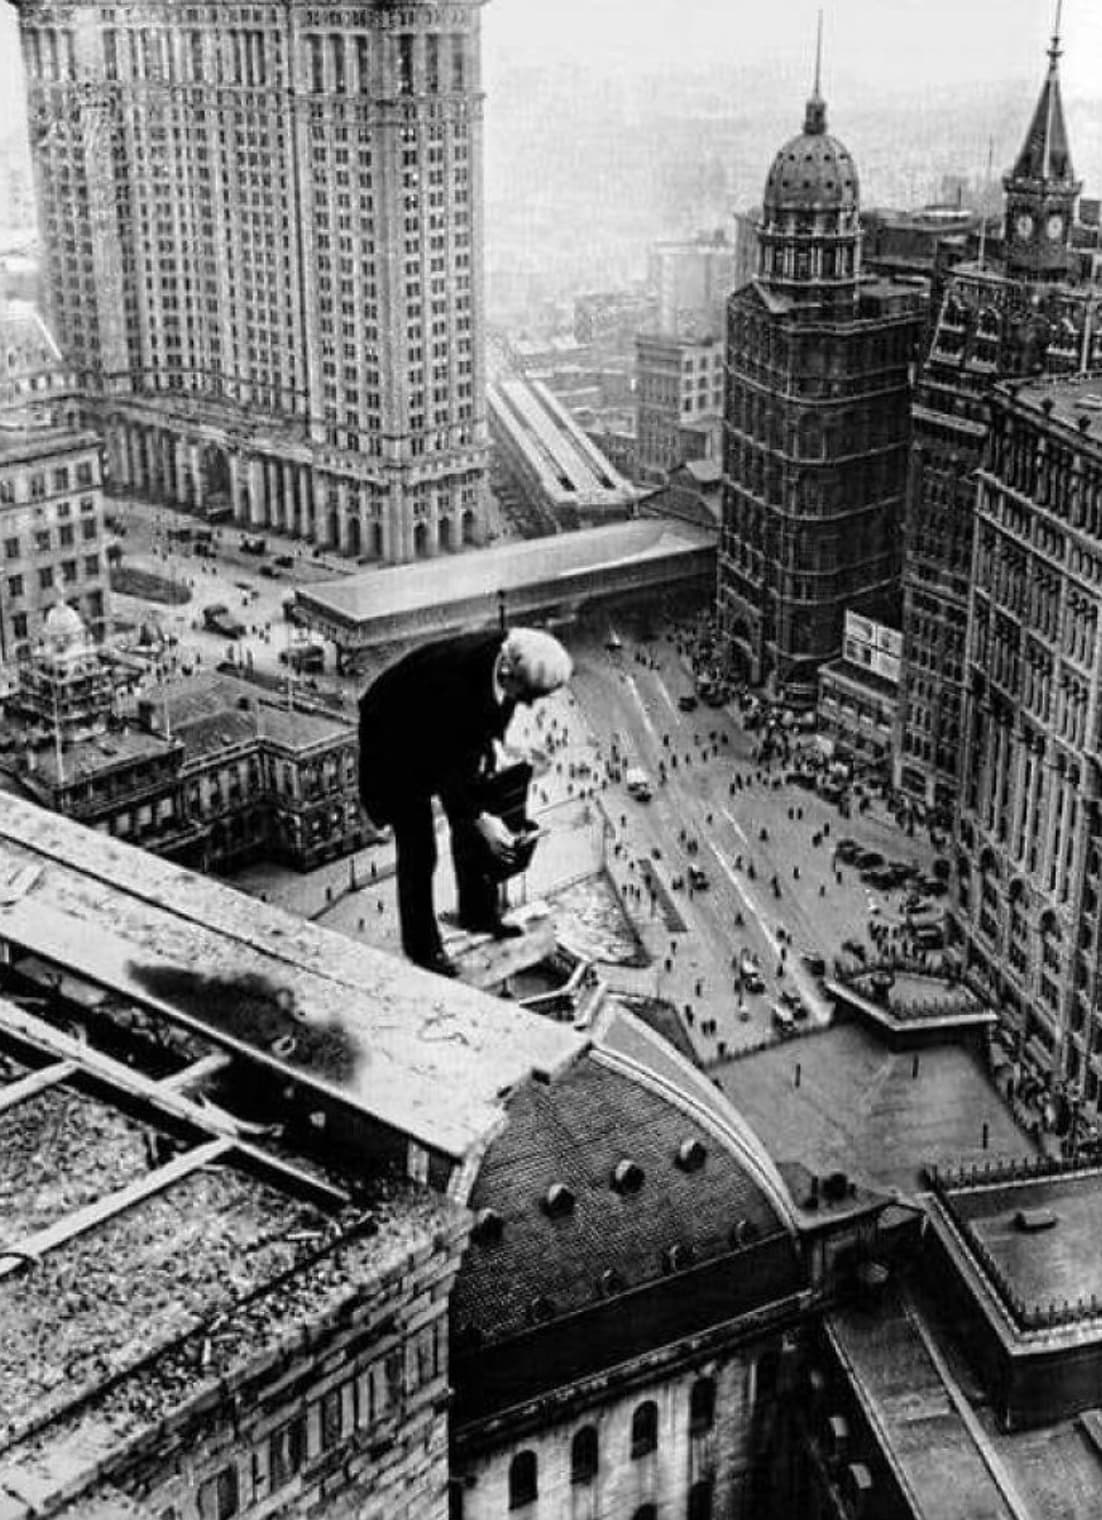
(429, 727)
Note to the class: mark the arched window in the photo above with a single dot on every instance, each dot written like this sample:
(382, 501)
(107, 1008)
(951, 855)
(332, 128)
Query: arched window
(644, 1429)
(646, 1512)
(523, 1480)
(702, 1405)
(700, 1500)
(583, 1455)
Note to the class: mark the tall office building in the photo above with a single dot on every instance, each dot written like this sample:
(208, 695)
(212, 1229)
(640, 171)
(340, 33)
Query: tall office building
(1025, 307)
(263, 235)
(1029, 863)
(816, 425)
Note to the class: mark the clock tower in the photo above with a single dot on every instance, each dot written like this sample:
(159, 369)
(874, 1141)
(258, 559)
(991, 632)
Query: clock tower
(1041, 190)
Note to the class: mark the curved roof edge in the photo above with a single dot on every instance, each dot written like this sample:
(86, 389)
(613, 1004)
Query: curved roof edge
(726, 1123)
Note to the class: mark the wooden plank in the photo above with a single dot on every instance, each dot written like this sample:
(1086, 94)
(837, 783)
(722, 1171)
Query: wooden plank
(16, 1256)
(35, 1082)
(197, 1073)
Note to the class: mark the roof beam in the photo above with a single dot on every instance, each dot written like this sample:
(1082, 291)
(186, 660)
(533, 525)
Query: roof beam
(35, 1082)
(20, 1253)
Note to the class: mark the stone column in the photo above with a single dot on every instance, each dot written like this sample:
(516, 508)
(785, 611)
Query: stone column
(179, 471)
(344, 517)
(254, 475)
(195, 464)
(233, 466)
(116, 453)
(290, 502)
(168, 483)
(306, 500)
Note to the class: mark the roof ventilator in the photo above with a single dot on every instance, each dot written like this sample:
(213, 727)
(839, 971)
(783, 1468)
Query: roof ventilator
(558, 1201)
(628, 1176)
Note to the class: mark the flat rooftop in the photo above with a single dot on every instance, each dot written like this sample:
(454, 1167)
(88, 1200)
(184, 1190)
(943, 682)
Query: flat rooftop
(1072, 398)
(937, 1454)
(570, 468)
(426, 1058)
(1040, 1266)
(859, 1108)
(403, 589)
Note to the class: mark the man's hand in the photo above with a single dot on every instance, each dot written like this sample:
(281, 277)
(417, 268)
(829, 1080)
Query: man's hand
(497, 836)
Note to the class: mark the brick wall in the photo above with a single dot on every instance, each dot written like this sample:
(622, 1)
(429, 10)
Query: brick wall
(348, 1418)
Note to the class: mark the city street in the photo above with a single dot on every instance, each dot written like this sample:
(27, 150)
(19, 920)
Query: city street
(717, 810)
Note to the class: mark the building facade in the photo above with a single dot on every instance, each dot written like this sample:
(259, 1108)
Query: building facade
(679, 385)
(859, 692)
(1032, 306)
(264, 259)
(816, 425)
(692, 280)
(211, 775)
(1029, 859)
(52, 535)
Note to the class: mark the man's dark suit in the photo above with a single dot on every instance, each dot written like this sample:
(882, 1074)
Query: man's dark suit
(427, 727)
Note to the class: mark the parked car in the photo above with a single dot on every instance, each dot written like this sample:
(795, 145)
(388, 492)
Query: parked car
(284, 561)
(687, 702)
(814, 962)
(855, 948)
(269, 572)
(867, 859)
(847, 850)
(750, 972)
(783, 1021)
(254, 546)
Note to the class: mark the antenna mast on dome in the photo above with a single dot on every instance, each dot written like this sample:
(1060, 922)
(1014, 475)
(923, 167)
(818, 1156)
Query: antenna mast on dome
(815, 118)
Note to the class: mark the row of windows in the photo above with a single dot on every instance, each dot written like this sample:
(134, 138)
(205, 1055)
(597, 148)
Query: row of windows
(585, 1447)
(84, 475)
(43, 538)
(69, 571)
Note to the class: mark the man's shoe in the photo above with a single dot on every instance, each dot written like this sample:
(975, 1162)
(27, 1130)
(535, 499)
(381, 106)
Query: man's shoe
(438, 961)
(497, 927)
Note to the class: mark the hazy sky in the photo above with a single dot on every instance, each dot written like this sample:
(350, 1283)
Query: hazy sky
(895, 44)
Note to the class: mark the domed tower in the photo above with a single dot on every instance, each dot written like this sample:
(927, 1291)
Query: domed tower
(1041, 189)
(810, 232)
(816, 426)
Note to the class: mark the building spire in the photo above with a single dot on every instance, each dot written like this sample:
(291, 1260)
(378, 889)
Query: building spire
(1045, 154)
(815, 116)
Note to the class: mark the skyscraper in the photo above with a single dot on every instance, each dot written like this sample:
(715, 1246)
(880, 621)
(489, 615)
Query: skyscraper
(263, 247)
(1021, 309)
(816, 424)
(1029, 862)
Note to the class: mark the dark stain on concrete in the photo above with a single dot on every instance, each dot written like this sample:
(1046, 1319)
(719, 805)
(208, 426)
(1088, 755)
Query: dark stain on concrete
(258, 1012)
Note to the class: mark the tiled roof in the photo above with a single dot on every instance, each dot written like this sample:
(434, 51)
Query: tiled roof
(575, 1131)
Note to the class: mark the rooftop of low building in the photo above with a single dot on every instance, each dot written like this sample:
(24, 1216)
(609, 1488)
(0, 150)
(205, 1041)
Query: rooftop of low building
(877, 1114)
(1074, 400)
(507, 567)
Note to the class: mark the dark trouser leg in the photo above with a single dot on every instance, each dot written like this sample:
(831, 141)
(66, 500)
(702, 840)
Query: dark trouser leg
(415, 841)
(477, 894)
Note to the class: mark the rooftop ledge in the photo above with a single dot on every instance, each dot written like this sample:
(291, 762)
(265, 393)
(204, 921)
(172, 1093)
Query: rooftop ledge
(427, 1058)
